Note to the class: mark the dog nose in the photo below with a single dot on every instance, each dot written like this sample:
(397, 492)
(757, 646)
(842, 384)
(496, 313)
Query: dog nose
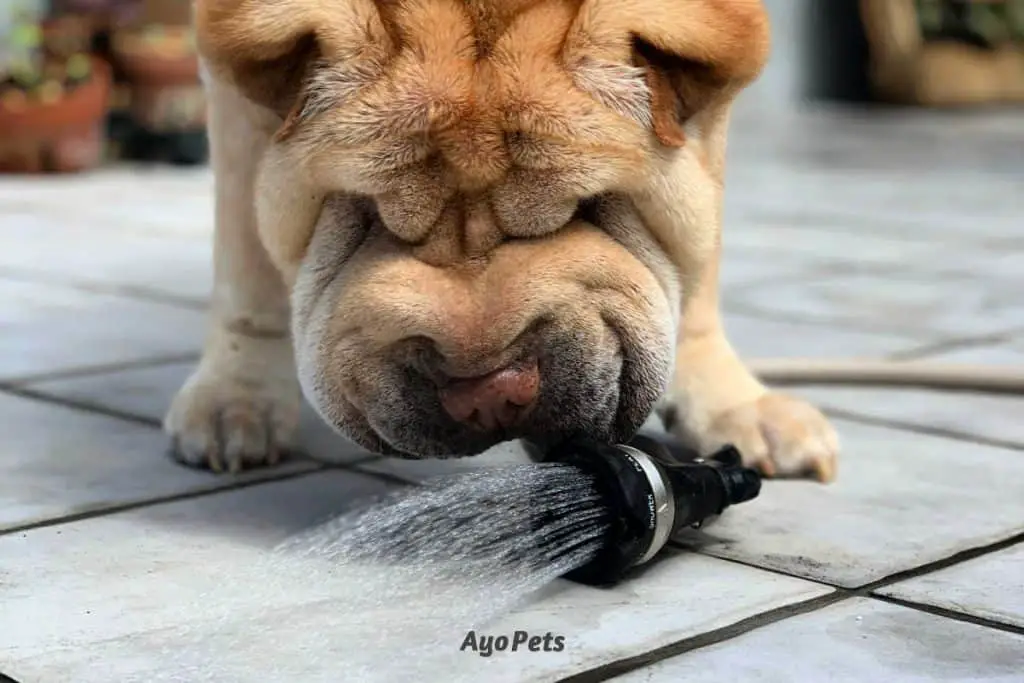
(494, 401)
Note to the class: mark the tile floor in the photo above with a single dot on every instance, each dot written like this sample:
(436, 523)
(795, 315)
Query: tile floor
(846, 236)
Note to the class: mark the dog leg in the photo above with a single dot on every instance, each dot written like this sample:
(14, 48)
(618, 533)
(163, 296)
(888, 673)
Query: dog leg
(715, 400)
(240, 407)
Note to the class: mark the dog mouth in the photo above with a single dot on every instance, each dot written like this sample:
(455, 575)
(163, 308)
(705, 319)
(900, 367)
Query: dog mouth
(599, 360)
(572, 403)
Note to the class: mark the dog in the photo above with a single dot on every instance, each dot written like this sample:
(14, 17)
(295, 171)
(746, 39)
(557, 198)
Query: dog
(451, 223)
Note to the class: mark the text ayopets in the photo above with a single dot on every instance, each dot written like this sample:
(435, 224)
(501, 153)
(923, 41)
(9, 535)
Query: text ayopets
(519, 641)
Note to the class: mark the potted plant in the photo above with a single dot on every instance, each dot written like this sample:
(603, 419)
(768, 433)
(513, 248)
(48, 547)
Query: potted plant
(167, 102)
(155, 54)
(53, 99)
(946, 52)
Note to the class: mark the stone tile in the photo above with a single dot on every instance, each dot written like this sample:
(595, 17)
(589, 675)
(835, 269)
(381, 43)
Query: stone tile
(165, 558)
(94, 253)
(148, 392)
(51, 328)
(852, 642)
(133, 199)
(901, 500)
(915, 302)
(193, 588)
(990, 586)
(993, 417)
(763, 337)
(743, 267)
(55, 461)
(821, 249)
(651, 611)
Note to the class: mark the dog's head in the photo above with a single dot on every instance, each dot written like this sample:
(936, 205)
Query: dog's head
(488, 210)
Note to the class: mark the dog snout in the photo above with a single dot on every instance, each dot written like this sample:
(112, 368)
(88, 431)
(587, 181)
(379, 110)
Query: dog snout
(499, 400)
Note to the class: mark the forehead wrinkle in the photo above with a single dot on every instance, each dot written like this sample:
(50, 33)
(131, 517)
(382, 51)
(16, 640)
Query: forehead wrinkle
(434, 29)
(538, 32)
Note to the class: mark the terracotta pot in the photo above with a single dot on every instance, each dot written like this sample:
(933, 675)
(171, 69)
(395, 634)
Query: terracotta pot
(167, 95)
(63, 136)
(147, 62)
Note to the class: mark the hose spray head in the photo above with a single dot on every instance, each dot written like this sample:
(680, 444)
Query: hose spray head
(650, 496)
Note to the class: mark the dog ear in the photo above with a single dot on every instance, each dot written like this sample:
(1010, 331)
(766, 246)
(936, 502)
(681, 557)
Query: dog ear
(268, 48)
(690, 53)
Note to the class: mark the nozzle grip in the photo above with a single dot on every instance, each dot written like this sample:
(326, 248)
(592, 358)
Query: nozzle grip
(702, 487)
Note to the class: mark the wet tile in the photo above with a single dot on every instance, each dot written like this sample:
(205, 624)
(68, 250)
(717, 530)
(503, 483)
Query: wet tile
(148, 392)
(53, 328)
(192, 589)
(855, 641)
(55, 461)
(901, 500)
(990, 586)
(992, 417)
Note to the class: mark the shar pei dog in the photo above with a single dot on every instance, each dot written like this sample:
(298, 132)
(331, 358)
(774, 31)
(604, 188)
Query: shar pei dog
(451, 223)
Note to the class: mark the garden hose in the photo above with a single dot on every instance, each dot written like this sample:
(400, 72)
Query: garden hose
(892, 374)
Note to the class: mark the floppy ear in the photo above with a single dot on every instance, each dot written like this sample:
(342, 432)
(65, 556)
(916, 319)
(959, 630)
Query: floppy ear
(268, 48)
(691, 52)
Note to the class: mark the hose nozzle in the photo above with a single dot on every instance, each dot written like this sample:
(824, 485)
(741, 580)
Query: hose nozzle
(651, 495)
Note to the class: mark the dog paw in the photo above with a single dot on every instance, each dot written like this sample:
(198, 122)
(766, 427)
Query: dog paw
(228, 423)
(779, 435)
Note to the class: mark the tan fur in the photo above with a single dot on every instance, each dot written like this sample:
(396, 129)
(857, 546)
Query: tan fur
(448, 185)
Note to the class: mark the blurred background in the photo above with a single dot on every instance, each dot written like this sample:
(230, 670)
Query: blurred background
(89, 82)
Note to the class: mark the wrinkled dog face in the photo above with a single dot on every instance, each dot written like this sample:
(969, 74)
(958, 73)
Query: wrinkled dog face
(449, 197)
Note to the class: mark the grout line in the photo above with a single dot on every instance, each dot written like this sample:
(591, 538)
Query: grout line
(353, 465)
(622, 666)
(885, 581)
(109, 368)
(391, 478)
(161, 500)
(957, 344)
(955, 558)
(926, 430)
(734, 305)
(269, 477)
(76, 404)
(124, 291)
(696, 548)
(731, 305)
(739, 628)
(946, 613)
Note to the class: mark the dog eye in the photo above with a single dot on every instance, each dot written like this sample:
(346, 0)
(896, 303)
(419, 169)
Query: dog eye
(586, 210)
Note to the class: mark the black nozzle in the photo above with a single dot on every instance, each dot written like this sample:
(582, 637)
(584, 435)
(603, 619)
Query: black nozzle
(652, 492)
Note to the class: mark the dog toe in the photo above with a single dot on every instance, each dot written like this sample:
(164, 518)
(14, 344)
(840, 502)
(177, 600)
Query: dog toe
(227, 426)
(781, 436)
